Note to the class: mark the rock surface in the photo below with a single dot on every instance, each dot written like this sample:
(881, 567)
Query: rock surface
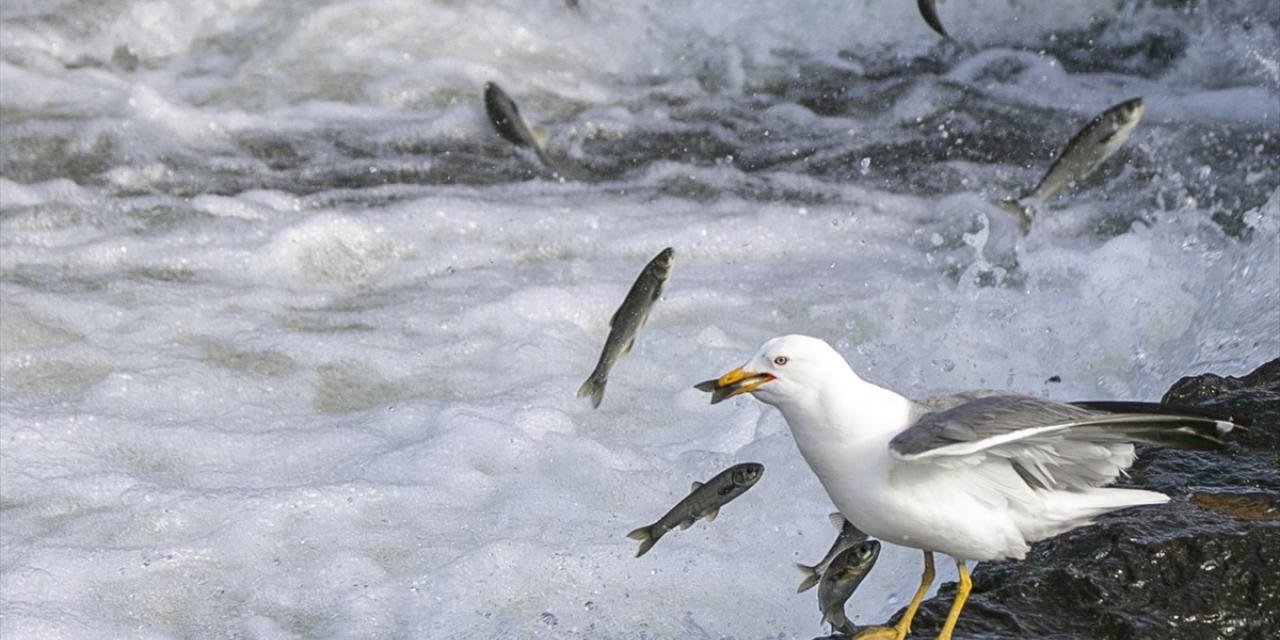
(1206, 565)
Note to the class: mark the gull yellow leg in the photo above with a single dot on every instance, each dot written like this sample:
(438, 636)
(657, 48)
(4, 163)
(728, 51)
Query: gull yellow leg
(900, 630)
(926, 579)
(962, 593)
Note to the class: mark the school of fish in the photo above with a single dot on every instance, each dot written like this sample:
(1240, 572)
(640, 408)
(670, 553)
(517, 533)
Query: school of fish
(852, 555)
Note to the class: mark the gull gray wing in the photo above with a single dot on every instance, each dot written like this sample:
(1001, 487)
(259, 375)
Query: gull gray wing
(969, 422)
(951, 400)
(1051, 444)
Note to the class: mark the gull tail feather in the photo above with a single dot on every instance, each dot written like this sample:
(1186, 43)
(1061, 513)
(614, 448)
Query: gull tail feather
(811, 577)
(647, 536)
(1085, 505)
(1066, 510)
(593, 387)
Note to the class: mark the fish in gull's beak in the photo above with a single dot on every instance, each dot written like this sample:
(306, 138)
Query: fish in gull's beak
(736, 382)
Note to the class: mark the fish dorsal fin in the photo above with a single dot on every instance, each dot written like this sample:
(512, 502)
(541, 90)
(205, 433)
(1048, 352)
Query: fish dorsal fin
(696, 486)
(837, 520)
(710, 514)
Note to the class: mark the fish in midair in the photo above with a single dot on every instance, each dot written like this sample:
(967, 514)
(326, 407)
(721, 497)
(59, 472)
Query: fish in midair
(1081, 156)
(840, 580)
(929, 11)
(627, 321)
(849, 536)
(506, 119)
(704, 501)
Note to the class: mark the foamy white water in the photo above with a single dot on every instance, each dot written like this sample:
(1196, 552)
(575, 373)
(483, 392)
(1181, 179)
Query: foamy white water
(289, 339)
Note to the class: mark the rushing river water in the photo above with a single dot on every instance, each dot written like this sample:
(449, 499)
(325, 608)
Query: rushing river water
(289, 338)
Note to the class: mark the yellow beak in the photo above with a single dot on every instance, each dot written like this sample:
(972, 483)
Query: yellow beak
(736, 382)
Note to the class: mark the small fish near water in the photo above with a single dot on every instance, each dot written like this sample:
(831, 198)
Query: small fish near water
(929, 11)
(841, 579)
(506, 119)
(849, 536)
(627, 321)
(704, 501)
(1081, 156)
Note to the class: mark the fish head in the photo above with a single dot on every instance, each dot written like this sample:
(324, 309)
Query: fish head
(497, 102)
(853, 564)
(662, 263)
(785, 368)
(1130, 111)
(746, 474)
(867, 552)
(1119, 122)
(505, 116)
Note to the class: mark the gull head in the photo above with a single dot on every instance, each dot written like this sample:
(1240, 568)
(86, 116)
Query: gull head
(785, 369)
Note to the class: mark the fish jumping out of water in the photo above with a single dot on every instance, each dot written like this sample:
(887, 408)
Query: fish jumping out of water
(627, 321)
(704, 501)
(1081, 156)
(841, 579)
(929, 11)
(506, 119)
(849, 536)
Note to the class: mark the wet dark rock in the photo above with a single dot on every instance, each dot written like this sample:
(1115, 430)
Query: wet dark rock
(1254, 397)
(1205, 565)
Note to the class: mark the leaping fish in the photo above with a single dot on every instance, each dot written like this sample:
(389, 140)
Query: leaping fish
(627, 321)
(849, 536)
(840, 581)
(929, 11)
(703, 502)
(506, 119)
(1081, 156)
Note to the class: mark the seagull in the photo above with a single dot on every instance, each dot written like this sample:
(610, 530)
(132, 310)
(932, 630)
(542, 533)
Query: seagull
(977, 476)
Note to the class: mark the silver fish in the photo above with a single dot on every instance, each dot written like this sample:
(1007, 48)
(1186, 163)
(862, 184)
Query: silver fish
(627, 321)
(840, 580)
(929, 12)
(1082, 155)
(506, 119)
(704, 501)
(849, 536)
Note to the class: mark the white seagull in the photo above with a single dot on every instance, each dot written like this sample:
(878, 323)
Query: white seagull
(977, 476)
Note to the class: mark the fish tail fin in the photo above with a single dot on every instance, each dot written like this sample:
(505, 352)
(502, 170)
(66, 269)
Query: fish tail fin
(545, 159)
(847, 628)
(647, 537)
(839, 623)
(593, 387)
(811, 577)
(1023, 212)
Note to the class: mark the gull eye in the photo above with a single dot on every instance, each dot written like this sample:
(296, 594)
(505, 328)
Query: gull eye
(781, 361)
